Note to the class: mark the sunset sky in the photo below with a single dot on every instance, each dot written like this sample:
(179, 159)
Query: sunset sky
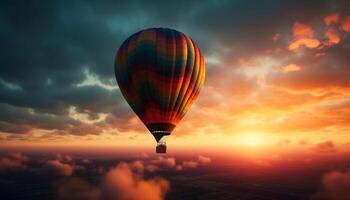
(278, 74)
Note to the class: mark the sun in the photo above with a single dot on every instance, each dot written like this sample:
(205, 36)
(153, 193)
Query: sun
(252, 143)
(252, 140)
(249, 139)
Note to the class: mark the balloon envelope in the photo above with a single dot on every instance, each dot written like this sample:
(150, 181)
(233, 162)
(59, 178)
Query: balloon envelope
(160, 73)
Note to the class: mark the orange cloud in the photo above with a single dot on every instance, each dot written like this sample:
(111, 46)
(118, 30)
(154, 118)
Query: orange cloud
(151, 168)
(346, 24)
(316, 79)
(123, 184)
(332, 18)
(302, 30)
(201, 160)
(59, 168)
(335, 186)
(310, 43)
(332, 36)
(290, 68)
(327, 146)
(86, 129)
(204, 160)
(12, 161)
(137, 166)
(303, 36)
(164, 162)
(161, 163)
(310, 121)
(190, 164)
(63, 158)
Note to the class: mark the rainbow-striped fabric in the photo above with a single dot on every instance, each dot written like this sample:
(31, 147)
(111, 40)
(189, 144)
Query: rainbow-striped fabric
(160, 72)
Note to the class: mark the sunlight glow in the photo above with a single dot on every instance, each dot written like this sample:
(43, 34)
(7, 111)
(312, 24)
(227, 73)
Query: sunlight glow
(254, 139)
(252, 143)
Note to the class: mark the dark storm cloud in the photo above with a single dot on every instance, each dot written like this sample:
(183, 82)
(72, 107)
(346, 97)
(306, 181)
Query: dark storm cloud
(47, 47)
(24, 117)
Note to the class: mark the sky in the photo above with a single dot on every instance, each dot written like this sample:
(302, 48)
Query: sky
(277, 74)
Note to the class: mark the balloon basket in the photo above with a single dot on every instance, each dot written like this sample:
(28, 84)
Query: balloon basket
(161, 148)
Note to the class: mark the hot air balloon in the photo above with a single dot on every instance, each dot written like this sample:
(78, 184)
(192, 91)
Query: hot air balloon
(160, 72)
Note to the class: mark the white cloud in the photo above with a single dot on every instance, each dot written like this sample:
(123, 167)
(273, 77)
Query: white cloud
(84, 117)
(9, 85)
(93, 80)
